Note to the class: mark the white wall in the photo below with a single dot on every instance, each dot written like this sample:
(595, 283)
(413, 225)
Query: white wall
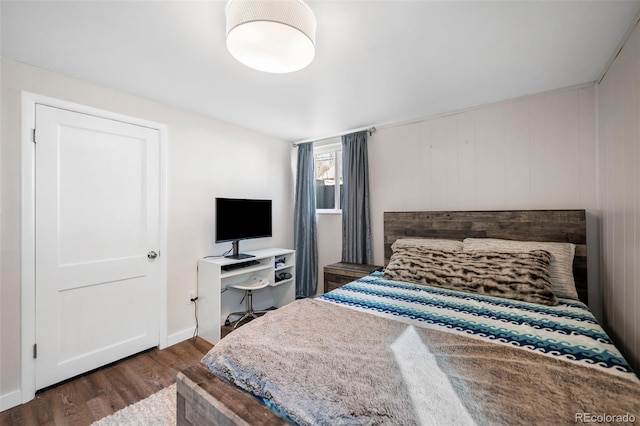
(329, 243)
(536, 152)
(206, 158)
(619, 190)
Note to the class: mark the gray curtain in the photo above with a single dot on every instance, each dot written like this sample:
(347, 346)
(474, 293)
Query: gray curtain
(305, 232)
(356, 217)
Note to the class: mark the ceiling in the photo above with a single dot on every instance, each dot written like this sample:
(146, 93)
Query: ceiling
(377, 62)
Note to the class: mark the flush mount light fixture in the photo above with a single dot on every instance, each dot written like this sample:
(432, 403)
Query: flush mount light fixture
(276, 36)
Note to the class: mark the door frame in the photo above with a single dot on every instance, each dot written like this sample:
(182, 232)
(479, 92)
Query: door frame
(28, 223)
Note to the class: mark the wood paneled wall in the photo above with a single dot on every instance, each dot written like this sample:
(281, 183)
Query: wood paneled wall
(619, 185)
(536, 152)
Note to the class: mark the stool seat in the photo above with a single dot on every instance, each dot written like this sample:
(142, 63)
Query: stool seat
(253, 284)
(248, 287)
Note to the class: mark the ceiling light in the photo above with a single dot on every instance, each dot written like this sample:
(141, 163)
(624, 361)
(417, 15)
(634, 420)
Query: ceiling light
(276, 36)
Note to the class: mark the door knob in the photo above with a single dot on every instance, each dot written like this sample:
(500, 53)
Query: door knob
(152, 255)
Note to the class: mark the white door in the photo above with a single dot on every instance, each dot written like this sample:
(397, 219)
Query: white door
(97, 218)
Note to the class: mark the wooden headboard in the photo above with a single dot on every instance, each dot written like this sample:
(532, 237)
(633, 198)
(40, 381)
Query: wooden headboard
(566, 226)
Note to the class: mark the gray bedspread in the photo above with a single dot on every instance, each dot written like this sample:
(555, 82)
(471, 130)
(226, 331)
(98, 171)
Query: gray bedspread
(325, 364)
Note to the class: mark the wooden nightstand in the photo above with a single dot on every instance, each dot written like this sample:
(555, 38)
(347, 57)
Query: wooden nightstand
(339, 274)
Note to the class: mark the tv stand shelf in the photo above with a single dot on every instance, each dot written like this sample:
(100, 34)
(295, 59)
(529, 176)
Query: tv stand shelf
(216, 301)
(240, 265)
(240, 271)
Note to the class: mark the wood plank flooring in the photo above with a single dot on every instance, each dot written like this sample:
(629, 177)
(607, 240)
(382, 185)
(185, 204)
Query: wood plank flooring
(87, 398)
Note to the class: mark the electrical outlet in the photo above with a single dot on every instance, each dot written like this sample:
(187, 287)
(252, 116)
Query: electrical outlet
(192, 295)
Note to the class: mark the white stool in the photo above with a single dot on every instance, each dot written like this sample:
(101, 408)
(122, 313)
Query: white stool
(248, 288)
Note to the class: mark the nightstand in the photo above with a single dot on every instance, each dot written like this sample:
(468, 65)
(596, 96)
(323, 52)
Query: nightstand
(339, 274)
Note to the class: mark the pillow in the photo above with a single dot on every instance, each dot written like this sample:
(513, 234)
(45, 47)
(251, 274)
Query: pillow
(433, 243)
(561, 259)
(519, 276)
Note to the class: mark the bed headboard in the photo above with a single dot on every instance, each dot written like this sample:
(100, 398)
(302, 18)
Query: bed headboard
(566, 226)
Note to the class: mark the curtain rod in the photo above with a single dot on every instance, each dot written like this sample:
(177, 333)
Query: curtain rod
(371, 131)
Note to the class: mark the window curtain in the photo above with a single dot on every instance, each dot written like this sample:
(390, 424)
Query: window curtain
(305, 232)
(356, 217)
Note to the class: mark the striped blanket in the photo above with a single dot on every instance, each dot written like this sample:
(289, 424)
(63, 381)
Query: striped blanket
(567, 331)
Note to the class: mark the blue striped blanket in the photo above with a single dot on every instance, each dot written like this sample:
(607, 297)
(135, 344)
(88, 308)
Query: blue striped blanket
(567, 331)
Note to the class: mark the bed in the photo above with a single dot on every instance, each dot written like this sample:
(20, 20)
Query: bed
(382, 350)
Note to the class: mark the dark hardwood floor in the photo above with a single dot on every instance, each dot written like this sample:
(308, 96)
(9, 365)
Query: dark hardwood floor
(87, 398)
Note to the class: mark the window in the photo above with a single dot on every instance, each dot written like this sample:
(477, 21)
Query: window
(328, 170)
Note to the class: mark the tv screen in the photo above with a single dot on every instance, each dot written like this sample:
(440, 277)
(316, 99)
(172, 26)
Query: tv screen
(241, 219)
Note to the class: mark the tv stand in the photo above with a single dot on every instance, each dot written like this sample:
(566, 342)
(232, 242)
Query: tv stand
(235, 246)
(215, 302)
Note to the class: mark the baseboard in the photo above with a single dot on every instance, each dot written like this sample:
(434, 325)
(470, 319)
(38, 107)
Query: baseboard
(181, 336)
(10, 400)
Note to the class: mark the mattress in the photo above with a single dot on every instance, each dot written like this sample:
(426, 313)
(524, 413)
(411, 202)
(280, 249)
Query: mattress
(377, 351)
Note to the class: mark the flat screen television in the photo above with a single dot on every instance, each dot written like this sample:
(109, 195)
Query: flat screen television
(241, 219)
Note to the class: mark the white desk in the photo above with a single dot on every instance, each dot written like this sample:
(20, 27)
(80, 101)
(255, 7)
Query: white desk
(214, 304)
